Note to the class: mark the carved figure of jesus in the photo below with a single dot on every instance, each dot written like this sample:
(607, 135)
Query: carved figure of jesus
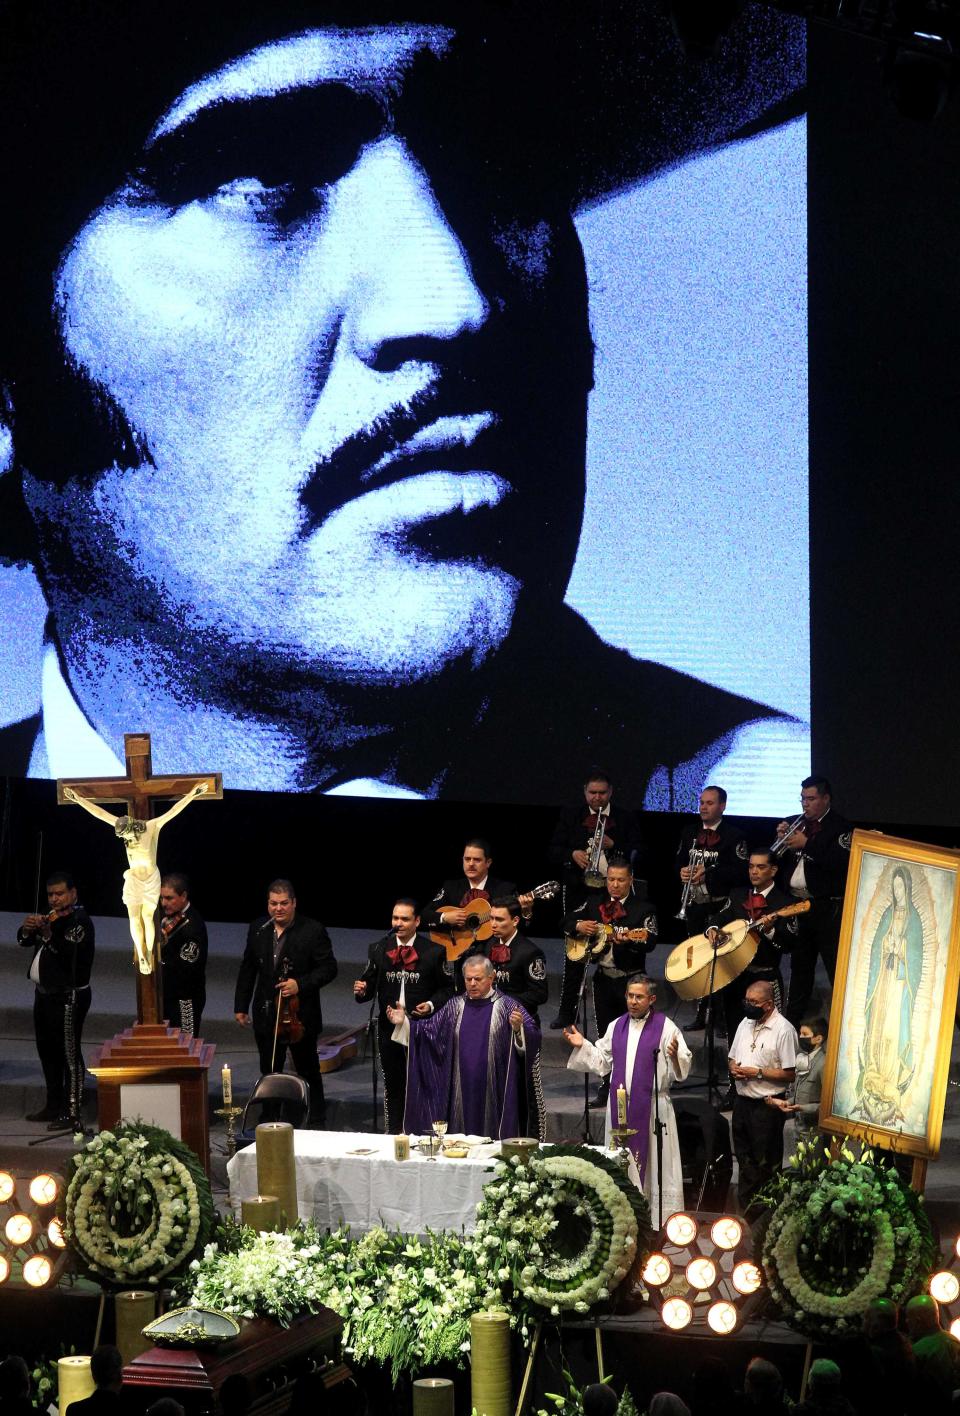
(141, 880)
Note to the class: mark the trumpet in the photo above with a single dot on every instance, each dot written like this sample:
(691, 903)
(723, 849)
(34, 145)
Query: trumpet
(695, 859)
(593, 876)
(779, 845)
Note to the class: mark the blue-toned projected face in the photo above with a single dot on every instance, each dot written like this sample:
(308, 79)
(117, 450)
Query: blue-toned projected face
(318, 347)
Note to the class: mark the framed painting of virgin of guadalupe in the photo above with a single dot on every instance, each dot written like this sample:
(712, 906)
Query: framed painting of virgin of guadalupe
(894, 1000)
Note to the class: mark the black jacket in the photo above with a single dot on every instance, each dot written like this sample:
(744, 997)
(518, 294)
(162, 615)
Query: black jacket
(725, 859)
(784, 930)
(826, 859)
(451, 892)
(523, 976)
(307, 947)
(426, 981)
(184, 959)
(571, 833)
(645, 722)
(66, 961)
(627, 957)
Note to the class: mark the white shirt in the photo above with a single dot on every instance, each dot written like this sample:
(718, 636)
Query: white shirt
(798, 880)
(772, 1043)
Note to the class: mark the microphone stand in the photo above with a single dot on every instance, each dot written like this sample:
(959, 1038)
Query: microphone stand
(374, 1048)
(713, 1090)
(582, 1026)
(658, 1129)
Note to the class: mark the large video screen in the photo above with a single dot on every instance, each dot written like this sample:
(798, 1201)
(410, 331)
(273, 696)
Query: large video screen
(405, 408)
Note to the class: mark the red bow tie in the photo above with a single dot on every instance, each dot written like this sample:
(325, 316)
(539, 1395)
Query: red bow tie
(472, 895)
(499, 953)
(707, 838)
(611, 910)
(406, 954)
(811, 829)
(755, 905)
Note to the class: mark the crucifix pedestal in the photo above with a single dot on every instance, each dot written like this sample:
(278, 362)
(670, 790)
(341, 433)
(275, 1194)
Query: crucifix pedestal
(148, 1070)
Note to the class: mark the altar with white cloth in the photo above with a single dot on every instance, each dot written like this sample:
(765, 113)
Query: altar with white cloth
(351, 1178)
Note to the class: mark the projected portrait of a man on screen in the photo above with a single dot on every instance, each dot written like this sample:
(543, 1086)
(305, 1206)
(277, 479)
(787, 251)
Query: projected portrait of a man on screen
(313, 361)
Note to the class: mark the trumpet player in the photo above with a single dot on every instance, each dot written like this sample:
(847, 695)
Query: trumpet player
(814, 851)
(587, 833)
(711, 860)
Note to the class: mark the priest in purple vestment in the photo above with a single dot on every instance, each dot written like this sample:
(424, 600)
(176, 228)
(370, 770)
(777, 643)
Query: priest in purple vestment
(475, 1063)
(643, 1052)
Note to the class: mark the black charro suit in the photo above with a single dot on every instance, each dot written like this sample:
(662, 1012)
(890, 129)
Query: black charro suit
(766, 961)
(305, 954)
(60, 968)
(423, 980)
(725, 856)
(184, 959)
(826, 860)
(619, 960)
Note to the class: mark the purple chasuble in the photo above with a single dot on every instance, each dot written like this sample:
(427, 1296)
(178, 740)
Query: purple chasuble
(473, 1049)
(640, 1086)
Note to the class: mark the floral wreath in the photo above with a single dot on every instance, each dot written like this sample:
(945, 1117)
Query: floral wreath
(138, 1205)
(568, 1226)
(842, 1233)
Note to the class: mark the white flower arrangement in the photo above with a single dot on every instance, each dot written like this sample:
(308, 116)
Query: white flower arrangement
(842, 1232)
(577, 1219)
(137, 1206)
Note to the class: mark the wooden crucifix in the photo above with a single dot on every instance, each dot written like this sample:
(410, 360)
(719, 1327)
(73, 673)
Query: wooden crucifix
(139, 830)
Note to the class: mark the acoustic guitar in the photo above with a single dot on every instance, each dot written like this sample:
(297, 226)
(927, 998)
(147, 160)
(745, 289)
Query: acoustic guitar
(591, 946)
(688, 967)
(457, 939)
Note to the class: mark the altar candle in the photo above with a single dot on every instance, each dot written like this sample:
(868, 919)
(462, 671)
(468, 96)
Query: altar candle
(621, 1106)
(490, 1364)
(134, 1308)
(276, 1167)
(261, 1212)
(433, 1396)
(74, 1381)
(401, 1147)
(227, 1085)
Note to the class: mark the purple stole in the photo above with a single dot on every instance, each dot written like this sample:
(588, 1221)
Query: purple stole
(641, 1083)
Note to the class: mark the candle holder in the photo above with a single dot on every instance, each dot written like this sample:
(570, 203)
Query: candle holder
(230, 1114)
(620, 1143)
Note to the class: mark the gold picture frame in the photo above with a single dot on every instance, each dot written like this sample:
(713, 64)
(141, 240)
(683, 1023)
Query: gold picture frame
(894, 997)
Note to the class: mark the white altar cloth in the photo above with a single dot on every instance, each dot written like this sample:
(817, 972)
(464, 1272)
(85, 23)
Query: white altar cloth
(337, 1186)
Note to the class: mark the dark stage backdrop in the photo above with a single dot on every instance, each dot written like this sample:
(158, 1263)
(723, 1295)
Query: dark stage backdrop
(349, 859)
(885, 440)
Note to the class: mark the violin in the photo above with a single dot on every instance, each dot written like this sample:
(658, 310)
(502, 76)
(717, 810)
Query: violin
(287, 1026)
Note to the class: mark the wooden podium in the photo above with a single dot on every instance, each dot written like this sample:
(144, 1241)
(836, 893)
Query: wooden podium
(159, 1074)
(264, 1366)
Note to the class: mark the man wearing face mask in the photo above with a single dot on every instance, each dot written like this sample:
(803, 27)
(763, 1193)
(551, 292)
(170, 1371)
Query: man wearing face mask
(803, 1109)
(762, 1061)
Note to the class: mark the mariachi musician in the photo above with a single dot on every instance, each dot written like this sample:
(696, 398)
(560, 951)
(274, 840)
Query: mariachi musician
(405, 969)
(183, 936)
(449, 908)
(618, 930)
(287, 960)
(62, 941)
(757, 902)
(815, 856)
(521, 966)
(711, 861)
(587, 833)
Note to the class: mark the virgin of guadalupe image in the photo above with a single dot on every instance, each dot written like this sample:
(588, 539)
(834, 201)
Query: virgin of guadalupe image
(887, 1054)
